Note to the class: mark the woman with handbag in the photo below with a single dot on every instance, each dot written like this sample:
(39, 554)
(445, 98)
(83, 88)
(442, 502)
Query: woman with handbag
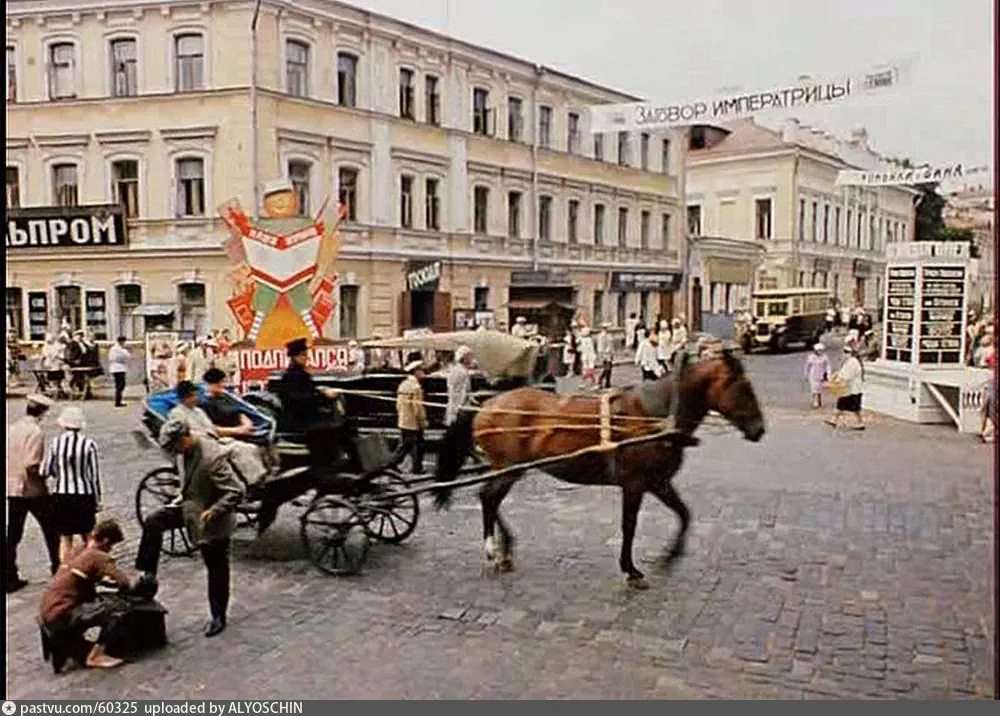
(849, 383)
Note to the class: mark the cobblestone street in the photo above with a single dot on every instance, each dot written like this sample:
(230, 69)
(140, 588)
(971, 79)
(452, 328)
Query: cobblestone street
(821, 565)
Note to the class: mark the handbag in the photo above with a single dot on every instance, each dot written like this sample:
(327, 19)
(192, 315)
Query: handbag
(837, 386)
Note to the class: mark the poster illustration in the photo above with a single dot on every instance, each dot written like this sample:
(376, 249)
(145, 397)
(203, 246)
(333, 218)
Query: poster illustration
(161, 363)
(283, 276)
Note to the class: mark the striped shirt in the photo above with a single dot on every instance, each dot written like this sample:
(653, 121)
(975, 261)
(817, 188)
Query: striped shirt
(72, 460)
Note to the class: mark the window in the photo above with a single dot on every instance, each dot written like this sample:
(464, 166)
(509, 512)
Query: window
(13, 188)
(432, 204)
(763, 219)
(406, 201)
(545, 127)
(190, 187)
(644, 151)
(125, 185)
(598, 309)
(836, 225)
(871, 232)
(598, 224)
(481, 204)
(69, 306)
(694, 220)
(665, 231)
(297, 68)
(190, 63)
(192, 303)
(665, 156)
(347, 191)
(481, 298)
(802, 219)
(622, 226)
(298, 175)
(96, 315)
(432, 101)
(572, 219)
(860, 224)
(621, 308)
(124, 68)
(347, 80)
(515, 119)
(514, 214)
(129, 298)
(480, 111)
(623, 148)
(573, 133)
(599, 147)
(847, 232)
(545, 218)
(15, 312)
(815, 219)
(644, 230)
(62, 70)
(826, 223)
(65, 189)
(11, 74)
(406, 108)
(348, 311)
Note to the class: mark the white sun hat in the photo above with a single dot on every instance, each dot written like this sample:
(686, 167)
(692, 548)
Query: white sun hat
(72, 418)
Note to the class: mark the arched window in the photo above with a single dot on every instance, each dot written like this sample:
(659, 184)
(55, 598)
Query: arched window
(300, 174)
(193, 307)
(297, 68)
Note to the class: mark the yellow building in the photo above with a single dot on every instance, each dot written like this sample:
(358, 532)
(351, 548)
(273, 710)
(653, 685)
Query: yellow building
(470, 172)
(764, 210)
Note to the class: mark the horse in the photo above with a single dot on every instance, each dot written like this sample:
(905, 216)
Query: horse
(527, 424)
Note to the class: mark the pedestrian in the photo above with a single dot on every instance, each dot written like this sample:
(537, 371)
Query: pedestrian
(631, 324)
(197, 361)
(646, 359)
(663, 340)
(412, 417)
(26, 490)
(179, 364)
(75, 351)
(54, 363)
(588, 358)
(459, 384)
(73, 462)
(68, 605)
(118, 359)
(990, 404)
(520, 327)
(210, 494)
(831, 318)
(568, 352)
(355, 357)
(606, 355)
(851, 378)
(983, 352)
(817, 373)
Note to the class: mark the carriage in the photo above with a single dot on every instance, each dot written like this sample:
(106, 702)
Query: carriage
(361, 498)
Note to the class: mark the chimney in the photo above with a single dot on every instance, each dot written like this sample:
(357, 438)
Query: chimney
(790, 131)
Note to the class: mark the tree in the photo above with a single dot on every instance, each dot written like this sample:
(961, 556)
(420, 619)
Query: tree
(930, 214)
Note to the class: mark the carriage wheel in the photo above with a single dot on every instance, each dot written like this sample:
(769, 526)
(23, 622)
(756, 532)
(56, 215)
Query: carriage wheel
(334, 536)
(388, 517)
(157, 490)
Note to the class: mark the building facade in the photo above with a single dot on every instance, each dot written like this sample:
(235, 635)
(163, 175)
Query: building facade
(455, 162)
(974, 208)
(764, 210)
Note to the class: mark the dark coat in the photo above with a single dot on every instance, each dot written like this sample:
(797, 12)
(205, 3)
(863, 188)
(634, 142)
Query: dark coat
(301, 402)
(210, 483)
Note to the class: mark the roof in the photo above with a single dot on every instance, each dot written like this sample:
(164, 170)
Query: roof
(776, 292)
(744, 136)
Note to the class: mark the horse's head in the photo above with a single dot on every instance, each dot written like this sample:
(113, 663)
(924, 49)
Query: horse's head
(727, 390)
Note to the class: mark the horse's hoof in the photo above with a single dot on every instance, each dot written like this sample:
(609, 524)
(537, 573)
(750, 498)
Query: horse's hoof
(637, 583)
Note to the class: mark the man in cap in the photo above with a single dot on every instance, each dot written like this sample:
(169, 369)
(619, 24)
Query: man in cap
(210, 494)
(459, 384)
(520, 327)
(285, 254)
(355, 357)
(26, 489)
(606, 355)
(412, 416)
(302, 405)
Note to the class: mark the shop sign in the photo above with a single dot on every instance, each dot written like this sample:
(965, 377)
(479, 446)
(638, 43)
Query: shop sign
(904, 250)
(901, 288)
(629, 281)
(99, 226)
(542, 277)
(423, 275)
(942, 310)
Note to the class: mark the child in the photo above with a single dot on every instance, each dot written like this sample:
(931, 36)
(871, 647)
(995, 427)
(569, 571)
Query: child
(817, 373)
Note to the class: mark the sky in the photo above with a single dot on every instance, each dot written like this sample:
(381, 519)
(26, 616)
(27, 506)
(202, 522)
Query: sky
(664, 50)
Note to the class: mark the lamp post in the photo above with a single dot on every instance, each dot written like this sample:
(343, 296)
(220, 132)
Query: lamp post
(253, 110)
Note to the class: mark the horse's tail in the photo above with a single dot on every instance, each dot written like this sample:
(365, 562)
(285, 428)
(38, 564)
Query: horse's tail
(455, 447)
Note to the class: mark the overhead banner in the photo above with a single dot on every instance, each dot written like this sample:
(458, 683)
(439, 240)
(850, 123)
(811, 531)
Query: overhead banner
(902, 177)
(726, 107)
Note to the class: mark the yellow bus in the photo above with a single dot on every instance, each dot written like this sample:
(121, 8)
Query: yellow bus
(783, 316)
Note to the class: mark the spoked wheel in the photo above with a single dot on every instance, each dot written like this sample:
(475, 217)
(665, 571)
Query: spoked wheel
(389, 517)
(158, 489)
(334, 535)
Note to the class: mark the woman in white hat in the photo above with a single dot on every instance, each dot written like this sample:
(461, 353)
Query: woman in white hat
(588, 358)
(72, 460)
(852, 376)
(817, 373)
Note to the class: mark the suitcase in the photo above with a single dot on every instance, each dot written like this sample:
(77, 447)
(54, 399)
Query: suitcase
(143, 628)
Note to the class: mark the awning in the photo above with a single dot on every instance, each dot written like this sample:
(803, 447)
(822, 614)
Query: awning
(537, 304)
(722, 270)
(154, 309)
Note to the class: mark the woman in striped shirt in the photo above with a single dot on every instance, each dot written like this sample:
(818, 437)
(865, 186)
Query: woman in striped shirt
(72, 461)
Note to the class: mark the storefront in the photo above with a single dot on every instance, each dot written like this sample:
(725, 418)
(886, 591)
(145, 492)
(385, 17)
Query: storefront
(546, 298)
(656, 292)
(422, 304)
(862, 271)
(821, 273)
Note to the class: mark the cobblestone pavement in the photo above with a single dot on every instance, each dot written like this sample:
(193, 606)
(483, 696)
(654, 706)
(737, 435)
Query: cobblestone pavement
(821, 565)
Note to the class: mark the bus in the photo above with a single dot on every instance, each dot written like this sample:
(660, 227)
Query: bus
(783, 316)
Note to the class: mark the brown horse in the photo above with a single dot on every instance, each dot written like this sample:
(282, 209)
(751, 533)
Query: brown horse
(528, 424)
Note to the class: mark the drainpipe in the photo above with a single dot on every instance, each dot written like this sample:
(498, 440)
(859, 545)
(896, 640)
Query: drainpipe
(685, 247)
(254, 146)
(539, 71)
(797, 231)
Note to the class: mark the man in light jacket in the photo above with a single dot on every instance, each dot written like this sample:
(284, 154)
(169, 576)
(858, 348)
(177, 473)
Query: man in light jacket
(459, 384)
(647, 360)
(606, 355)
(412, 417)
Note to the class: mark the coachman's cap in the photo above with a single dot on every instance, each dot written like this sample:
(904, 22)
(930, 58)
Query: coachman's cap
(213, 376)
(297, 347)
